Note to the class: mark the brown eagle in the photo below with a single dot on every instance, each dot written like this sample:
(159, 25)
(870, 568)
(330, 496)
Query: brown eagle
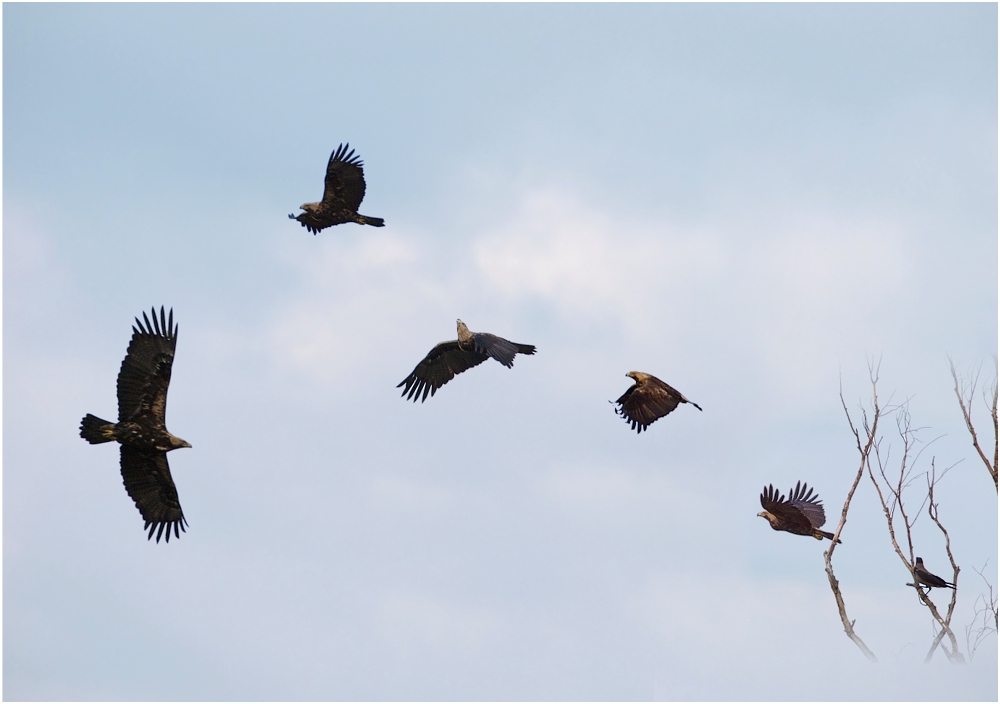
(924, 577)
(802, 514)
(455, 356)
(342, 195)
(648, 400)
(145, 440)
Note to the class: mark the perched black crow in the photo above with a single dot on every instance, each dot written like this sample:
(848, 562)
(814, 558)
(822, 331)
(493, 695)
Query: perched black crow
(648, 400)
(924, 577)
(802, 514)
(141, 429)
(455, 356)
(342, 195)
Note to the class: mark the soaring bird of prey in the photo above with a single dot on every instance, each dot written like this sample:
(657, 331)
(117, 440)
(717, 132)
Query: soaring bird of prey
(447, 359)
(924, 577)
(145, 440)
(342, 195)
(648, 400)
(802, 514)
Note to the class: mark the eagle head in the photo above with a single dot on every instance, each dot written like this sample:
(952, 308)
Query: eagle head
(176, 443)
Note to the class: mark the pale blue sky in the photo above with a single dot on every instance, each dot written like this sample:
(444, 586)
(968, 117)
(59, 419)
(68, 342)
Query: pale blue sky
(749, 201)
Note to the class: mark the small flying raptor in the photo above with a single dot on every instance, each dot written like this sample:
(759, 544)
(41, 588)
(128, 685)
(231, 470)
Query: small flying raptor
(141, 428)
(342, 195)
(453, 357)
(801, 514)
(648, 400)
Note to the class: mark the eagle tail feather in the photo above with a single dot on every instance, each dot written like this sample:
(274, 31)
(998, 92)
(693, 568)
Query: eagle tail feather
(95, 430)
(827, 535)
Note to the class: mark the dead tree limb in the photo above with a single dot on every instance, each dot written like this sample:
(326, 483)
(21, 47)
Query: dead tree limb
(932, 510)
(899, 523)
(976, 633)
(966, 395)
(864, 449)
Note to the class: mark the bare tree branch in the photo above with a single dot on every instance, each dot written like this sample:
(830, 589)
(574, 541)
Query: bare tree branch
(966, 395)
(985, 607)
(890, 486)
(864, 449)
(932, 511)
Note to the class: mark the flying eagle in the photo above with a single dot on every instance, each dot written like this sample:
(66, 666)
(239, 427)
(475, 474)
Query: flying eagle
(342, 195)
(648, 400)
(455, 356)
(921, 575)
(145, 440)
(802, 514)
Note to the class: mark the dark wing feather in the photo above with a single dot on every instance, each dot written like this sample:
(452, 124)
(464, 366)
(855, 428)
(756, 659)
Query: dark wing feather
(791, 518)
(803, 498)
(438, 368)
(646, 402)
(345, 180)
(145, 371)
(500, 349)
(931, 580)
(147, 480)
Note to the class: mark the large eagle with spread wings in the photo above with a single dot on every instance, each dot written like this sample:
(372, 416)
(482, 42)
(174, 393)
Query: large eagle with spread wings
(801, 514)
(342, 195)
(141, 429)
(648, 400)
(447, 359)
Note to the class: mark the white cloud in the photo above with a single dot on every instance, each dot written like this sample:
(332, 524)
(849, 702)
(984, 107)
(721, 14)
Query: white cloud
(588, 263)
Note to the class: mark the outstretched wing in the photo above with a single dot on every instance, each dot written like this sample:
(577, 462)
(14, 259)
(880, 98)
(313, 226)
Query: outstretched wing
(647, 401)
(500, 349)
(803, 498)
(345, 180)
(791, 518)
(147, 480)
(438, 368)
(145, 372)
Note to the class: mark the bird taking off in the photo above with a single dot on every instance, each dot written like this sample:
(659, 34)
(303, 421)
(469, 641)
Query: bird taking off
(141, 429)
(922, 576)
(342, 195)
(648, 400)
(802, 514)
(447, 359)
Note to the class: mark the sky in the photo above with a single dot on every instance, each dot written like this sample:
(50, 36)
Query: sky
(754, 203)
